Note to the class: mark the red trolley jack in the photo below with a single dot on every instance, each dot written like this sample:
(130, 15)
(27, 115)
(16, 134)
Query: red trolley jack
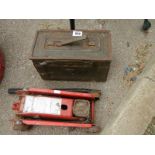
(2, 65)
(63, 108)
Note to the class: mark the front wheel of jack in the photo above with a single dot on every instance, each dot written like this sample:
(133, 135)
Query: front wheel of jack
(18, 125)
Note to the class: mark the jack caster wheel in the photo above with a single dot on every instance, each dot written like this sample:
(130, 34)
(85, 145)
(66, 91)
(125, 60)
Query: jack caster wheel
(94, 129)
(18, 125)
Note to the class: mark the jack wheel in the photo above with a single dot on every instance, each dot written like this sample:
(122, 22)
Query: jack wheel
(18, 125)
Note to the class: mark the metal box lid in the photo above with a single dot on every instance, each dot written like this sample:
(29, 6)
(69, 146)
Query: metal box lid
(61, 44)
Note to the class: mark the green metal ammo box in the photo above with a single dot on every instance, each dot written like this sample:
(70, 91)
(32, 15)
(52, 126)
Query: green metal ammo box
(83, 55)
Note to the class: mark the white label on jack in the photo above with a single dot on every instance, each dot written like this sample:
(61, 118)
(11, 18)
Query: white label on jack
(43, 105)
(77, 33)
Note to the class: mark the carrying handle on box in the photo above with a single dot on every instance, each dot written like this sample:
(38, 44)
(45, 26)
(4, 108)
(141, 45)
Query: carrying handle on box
(70, 40)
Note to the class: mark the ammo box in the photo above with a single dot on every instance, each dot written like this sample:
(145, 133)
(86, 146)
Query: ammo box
(58, 55)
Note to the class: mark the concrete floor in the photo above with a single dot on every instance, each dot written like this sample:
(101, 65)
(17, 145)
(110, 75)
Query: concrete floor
(16, 39)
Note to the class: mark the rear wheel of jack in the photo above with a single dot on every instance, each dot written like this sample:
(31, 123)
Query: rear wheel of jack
(18, 125)
(94, 129)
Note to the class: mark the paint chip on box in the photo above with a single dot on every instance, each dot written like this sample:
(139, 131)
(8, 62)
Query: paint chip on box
(77, 33)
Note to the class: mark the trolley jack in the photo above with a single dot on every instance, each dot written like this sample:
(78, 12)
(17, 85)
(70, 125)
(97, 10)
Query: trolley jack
(52, 107)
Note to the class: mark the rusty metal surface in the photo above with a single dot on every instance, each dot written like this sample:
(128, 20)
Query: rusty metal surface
(96, 46)
(81, 108)
(57, 55)
(80, 70)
